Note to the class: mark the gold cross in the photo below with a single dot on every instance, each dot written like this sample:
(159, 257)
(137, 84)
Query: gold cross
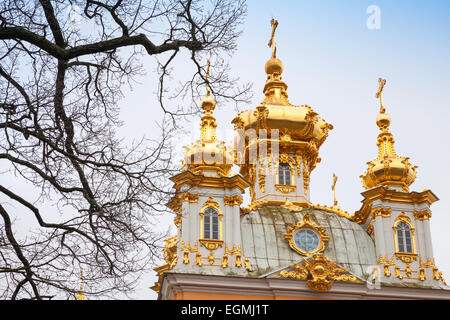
(274, 24)
(208, 91)
(381, 83)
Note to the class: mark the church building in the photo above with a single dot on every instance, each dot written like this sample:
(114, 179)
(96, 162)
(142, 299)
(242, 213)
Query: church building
(281, 245)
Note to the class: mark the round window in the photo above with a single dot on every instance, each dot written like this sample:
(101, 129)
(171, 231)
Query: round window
(306, 240)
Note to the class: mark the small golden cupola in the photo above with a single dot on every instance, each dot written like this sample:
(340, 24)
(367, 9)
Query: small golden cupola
(279, 142)
(208, 155)
(389, 169)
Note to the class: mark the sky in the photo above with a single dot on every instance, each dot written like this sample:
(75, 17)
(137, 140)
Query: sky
(333, 54)
(333, 57)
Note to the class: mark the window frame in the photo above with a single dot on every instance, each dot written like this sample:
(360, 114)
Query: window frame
(405, 256)
(211, 204)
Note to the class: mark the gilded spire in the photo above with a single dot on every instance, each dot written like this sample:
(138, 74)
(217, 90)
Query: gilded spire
(275, 89)
(208, 123)
(208, 153)
(389, 169)
(208, 89)
(80, 295)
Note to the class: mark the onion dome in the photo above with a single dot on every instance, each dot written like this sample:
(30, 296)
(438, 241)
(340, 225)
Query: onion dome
(389, 169)
(300, 129)
(208, 155)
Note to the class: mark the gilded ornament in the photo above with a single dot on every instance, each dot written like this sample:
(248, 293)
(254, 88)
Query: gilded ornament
(232, 200)
(382, 212)
(170, 249)
(247, 265)
(198, 259)
(285, 188)
(422, 215)
(336, 210)
(262, 179)
(320, 270)
(225, 261)
(291, 207)
(387, 263)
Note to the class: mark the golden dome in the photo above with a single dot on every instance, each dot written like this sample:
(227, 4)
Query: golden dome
(296, 129)
(388, 169)
(295, 123)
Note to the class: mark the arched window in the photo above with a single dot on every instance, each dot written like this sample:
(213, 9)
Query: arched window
(211, 224)
(284, 174)
(404, 238)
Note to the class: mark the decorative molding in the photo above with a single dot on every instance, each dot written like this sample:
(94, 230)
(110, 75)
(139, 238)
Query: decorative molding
(291, 207)
(422, 215)
(389, 195)
(235, 200)
(322, 271)
(255, 205)
(334, 209)
(285, 188)
(380, 212)
(211, 244)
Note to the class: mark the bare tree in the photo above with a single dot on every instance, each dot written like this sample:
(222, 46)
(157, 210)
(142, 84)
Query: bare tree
(63, 65)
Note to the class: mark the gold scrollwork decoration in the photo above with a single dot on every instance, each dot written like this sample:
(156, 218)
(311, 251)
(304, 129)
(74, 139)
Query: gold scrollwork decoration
(422, 215)
(232, 200)
(379, 211)
(320, 271)
(284, 188)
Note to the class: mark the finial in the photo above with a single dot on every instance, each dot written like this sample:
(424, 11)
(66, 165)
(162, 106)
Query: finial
(381, 83)
(80, 295)
(271, 44)
(383, 119)
(208, 90)
(333, 187)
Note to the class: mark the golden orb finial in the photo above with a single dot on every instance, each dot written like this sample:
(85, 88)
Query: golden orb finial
(274, 65)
